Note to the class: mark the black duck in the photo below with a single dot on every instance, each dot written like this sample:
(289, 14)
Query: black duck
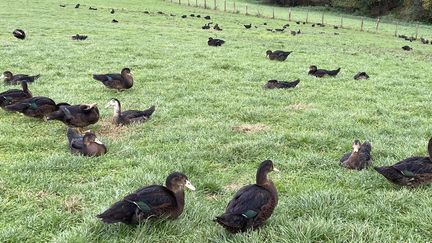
(86, 144)
(274, 84)
(413, 171)
(314, 71)
(118, 81)
(76, 115)
(9, 78)
(13, 96)
(79, 37)
(361, 76)
(278, 55)
(20, 34)
(37, 107)
(253, 204)
(215, 42)
(150, 202)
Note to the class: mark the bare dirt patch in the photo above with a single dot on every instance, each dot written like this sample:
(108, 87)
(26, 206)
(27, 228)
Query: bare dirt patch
(250, 128)
(73, 204)
(233, 187)
(109, 130)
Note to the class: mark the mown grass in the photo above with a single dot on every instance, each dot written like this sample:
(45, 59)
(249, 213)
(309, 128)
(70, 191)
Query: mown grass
(47, 194)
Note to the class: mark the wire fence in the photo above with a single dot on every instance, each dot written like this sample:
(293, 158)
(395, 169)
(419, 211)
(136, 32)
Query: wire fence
(306, 15)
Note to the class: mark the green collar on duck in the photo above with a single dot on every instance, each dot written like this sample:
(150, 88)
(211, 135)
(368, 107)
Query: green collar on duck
(249, 214)
(144, 207)
(33, 105)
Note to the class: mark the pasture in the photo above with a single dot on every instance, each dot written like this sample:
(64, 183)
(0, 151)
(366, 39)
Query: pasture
(214, 122)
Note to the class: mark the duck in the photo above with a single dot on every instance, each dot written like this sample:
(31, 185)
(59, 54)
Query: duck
(279, 30)
(247, 26)
(215, 42)
(160, 12)
(207, 17)
(206, 26)
(192, 15)
(87, 144)
(146, 12)
(253, 204)
(62, 5)
(112, 11)
(78, 5)
(37, 107)
(298, 22)
(406, 48)
(118, 81)
(361, 76)
(153, 201)
(91, 8)
(198, 16)
(78, 116)
(19, 33)
(278, 55)
(129, 116)
(216, 27)
(286, 26)
(274, 84)
(114, 21)
(184, 16)
(13, 96)
(335, 27)
(360, 157)
(293, 33)
(314, 71)
(412, 172)
(9, 78)
(79, 37)
(424, 41)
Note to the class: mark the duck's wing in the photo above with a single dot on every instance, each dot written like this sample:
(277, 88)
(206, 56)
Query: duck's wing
(131, 114)
(107, 77)
(249, 200)
(345, 157)
(414, 166)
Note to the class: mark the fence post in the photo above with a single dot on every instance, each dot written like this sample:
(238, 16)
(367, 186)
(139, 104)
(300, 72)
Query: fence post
(247, 9)
(225, 6)
(322, 18)
(396, 30)
(205, 4)
(417, 28)
(235, 11)
(273, 14)
(179, 1)
(289, 14)
(215, 5)
(196, 3)
(361, 27)
(258, 12)
(307, 17)
(188, 2)
(341, 22)
(377, 24)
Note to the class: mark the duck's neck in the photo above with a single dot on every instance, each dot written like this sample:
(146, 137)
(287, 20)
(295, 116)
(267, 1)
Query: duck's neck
(25, 87)
(261, 177)
(430, 149)
(117, 110)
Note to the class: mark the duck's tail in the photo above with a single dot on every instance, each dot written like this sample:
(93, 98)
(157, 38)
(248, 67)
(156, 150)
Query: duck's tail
(234, 223)
(334, 72)
(121, 211)
(18, 107)
(149, 111)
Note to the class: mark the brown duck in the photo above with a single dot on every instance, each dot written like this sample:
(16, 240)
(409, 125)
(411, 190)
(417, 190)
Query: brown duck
(359, 158)
(76, 115)
(252, 205)
(275, 84)
(314, 71)
(118, 81)
(129, 116)
(150, 202)
(9, 78)
(413, 171)
(87, 145)
(37, 107)
(13, 96)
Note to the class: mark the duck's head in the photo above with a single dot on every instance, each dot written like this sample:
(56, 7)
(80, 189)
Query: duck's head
(267, 166)
(7, 76)
(177, 181)
(126, 72)
(210, 38)
(90, 137)
(313, 68)
(356, 146)
(113, 103)
(268, 52)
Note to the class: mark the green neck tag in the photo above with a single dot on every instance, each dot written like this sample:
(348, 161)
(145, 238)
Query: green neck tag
(249, 214)
(407, 173)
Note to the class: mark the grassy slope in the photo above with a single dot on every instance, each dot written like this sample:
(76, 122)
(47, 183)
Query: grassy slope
(46, 194)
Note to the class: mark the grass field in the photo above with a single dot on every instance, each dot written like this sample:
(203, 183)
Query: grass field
(201, 93)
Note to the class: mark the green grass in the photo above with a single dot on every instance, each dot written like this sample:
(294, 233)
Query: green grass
(47, 194)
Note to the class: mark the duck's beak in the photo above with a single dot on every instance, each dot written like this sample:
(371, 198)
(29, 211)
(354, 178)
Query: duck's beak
(189, 185)
(98, 141)
(275, 169)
